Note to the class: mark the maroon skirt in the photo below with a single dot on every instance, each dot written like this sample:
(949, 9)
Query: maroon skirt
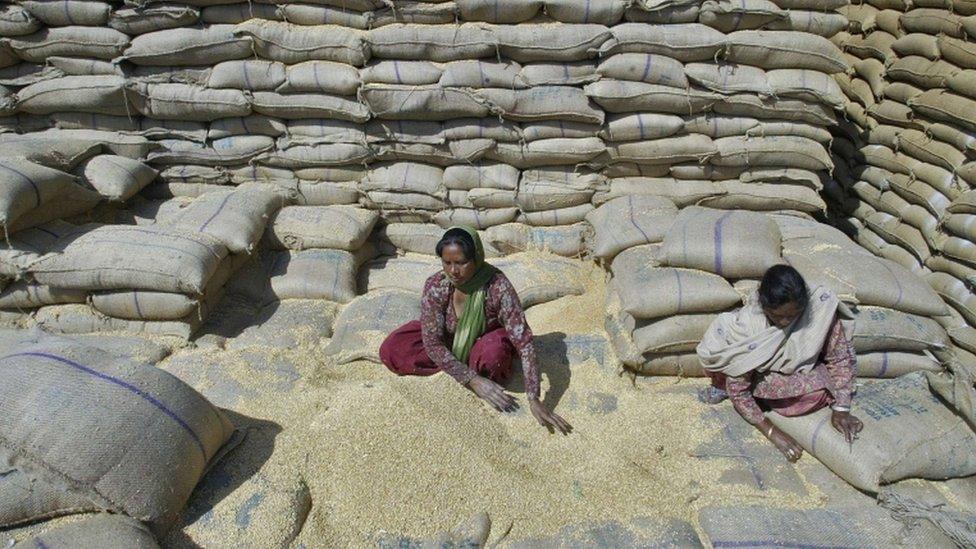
(404, 354)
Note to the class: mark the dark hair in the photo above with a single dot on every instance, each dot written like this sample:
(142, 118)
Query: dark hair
(782, 284)
(459, 237)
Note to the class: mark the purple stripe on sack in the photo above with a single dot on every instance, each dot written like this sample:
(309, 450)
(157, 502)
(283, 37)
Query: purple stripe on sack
(630, 216)
(647, 65)
(586, 14)
(135, 300)
(884, 364)
(128, 386)
(37, 192)
(772, 544)
(816, 435)
(216, 213)
(717, 239)
(396, 71)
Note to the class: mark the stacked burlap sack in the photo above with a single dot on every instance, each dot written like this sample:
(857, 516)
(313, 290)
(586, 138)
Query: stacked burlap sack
(909, 145)
(673, 272)
(64, 451)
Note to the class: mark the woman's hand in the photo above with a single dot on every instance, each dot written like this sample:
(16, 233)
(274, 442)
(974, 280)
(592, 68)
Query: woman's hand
(782, 441)
(493, 393)
(549, 420)
(847, 425)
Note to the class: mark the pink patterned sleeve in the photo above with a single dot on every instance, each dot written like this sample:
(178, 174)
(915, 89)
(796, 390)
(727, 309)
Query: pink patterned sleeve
(512, 318)
(740, 393)
(433, 304)
(840, 360)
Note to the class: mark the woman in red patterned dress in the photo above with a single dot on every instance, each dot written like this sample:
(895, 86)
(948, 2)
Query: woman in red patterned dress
(787, 350)
(471, 325)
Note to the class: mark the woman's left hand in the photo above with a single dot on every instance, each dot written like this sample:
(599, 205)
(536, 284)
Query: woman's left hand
(847, 425)
(549, 420)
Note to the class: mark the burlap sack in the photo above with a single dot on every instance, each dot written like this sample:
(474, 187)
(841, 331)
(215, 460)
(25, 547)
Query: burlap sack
(128, 257)
(321, 77)
(423, 102)
(291, 44)
(22, 295)
(17, 21)
(673, 334)
(881, 329)
(101, 452)
(134, 21)
(548, 152)
(409, 73)
(573, 73)
(907, 433)
(479, 219)
(542, 278)
(670, 150)
(188, 46)
(73, 41)
(784, 50)
(895, 364)
(236, 218)
(644, 67)
(314, 274)
(640, 126)
(511, 238)
(655, 292)
(734, 244)
(309, 105)
(364, 323)
(550, 218)
(543, 103)
(619, 96)
(550, 42)
(299, 157)
(88, 94)
(337, 227)
(581, 11)
(629, 221)
(185, 102)
(729, 78)
(684, 42)
(441, 43)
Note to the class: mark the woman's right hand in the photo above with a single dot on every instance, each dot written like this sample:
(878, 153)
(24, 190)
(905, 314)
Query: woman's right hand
(493, 393)
(783, 442)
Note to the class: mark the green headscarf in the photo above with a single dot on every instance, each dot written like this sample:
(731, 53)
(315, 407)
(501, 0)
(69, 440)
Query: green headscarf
(471, 323)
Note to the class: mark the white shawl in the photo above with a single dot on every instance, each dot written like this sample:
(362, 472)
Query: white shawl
(742, 341)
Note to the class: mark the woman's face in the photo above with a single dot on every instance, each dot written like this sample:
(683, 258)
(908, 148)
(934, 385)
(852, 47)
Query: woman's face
(784, 315)
(458, 268)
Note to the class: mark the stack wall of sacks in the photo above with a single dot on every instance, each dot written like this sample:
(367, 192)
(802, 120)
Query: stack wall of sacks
(675, 271)
(520, 120)
(906, 154)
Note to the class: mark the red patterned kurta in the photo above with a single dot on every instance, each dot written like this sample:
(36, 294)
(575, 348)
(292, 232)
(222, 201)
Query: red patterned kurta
(833, 372)
(502, 309)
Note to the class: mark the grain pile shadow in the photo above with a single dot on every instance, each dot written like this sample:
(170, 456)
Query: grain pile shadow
(235, 468)
(553, 358)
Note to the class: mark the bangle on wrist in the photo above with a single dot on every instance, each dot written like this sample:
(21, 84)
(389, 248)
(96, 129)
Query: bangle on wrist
(839, 408)
(769, 433)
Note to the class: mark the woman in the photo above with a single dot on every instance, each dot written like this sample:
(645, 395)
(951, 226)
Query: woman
(471, 323)
(787, 350)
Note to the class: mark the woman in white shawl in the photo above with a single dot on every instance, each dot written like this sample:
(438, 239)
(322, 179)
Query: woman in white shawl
(787, 350)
